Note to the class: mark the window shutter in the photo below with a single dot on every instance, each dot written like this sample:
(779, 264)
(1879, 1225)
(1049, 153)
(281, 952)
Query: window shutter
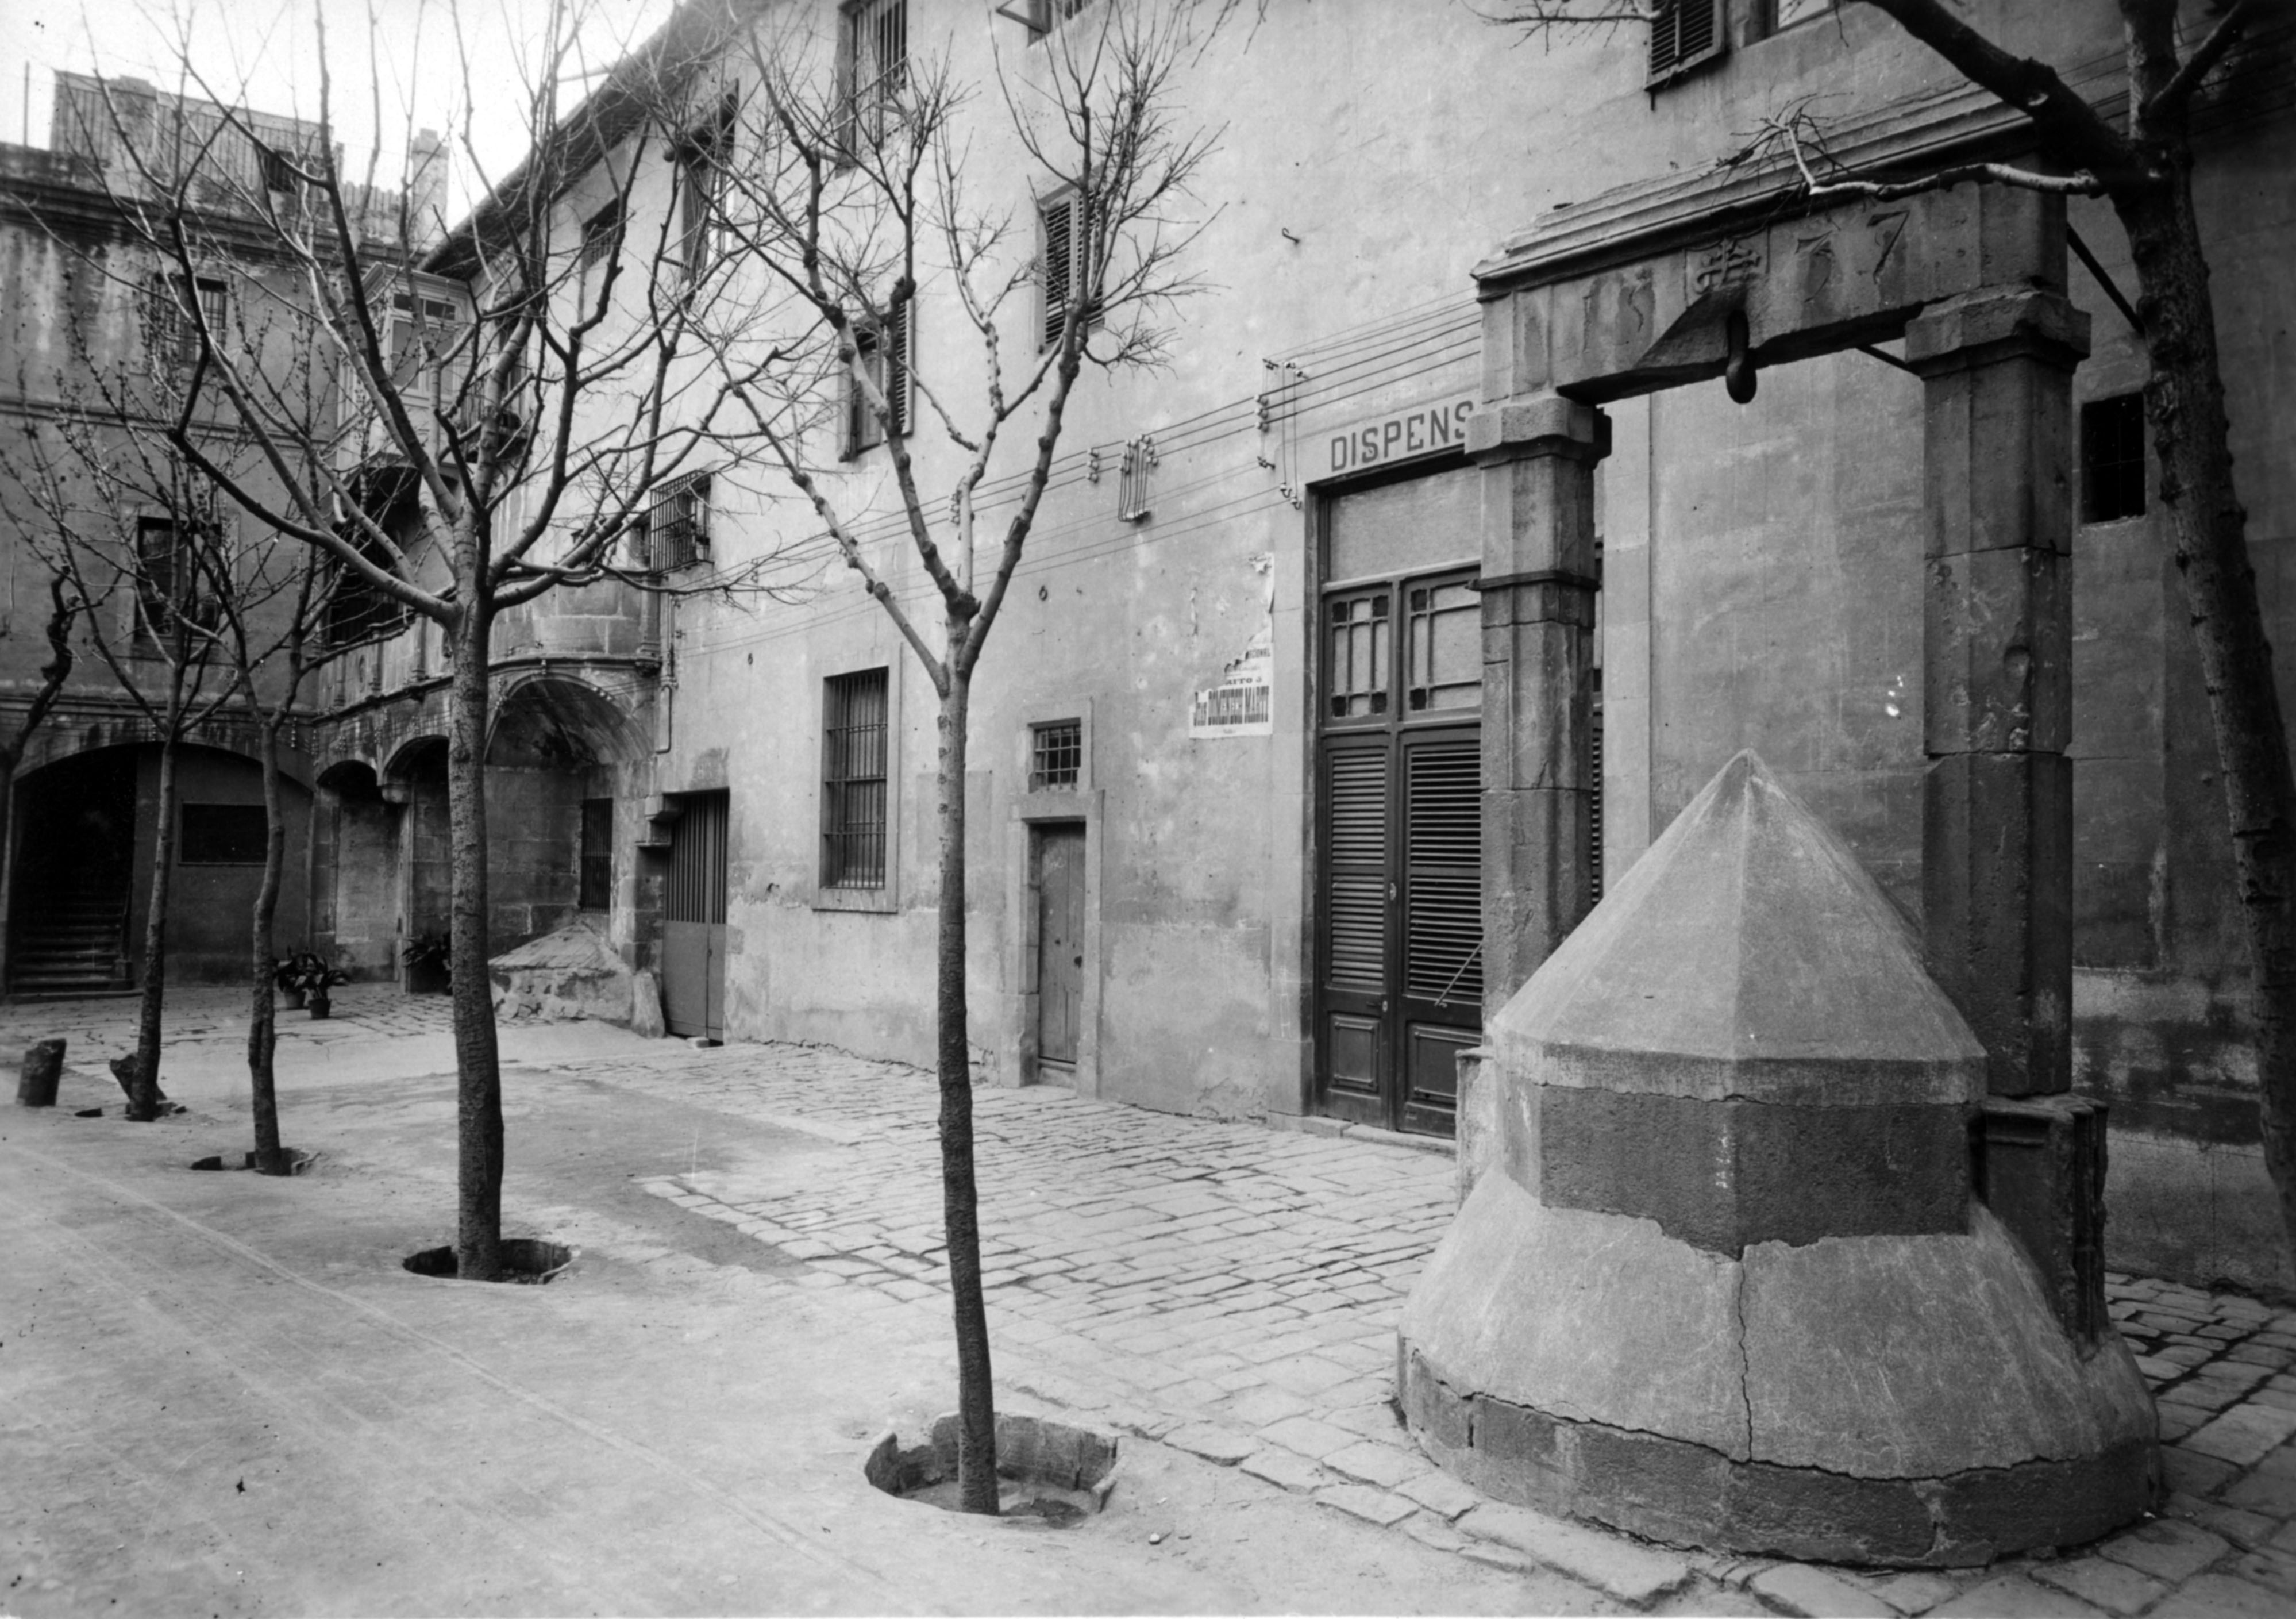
(1684, 34)
(1060, 264)
(896, 370)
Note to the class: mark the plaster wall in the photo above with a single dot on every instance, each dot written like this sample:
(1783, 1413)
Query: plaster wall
(211, 909)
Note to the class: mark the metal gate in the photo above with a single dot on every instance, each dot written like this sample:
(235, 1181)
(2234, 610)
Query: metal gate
(693, 919)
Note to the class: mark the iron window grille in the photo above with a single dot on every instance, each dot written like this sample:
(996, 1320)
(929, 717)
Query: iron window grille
(222, 835)
(171, 333)
(677, 524)
(1056, 755)
(1132, 494)
(601, 232)
(2113, 458)
(854, 737)
(884, 352)
(1684, 34)
(874, 62)
(1066, 226)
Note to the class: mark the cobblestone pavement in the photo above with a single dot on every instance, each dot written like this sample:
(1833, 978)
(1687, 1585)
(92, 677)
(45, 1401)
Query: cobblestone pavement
(1232, 1291)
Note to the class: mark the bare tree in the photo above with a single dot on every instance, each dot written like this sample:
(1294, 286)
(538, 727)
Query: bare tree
(846, 201)
(505, 405)
(2143, 166)
(63, 612)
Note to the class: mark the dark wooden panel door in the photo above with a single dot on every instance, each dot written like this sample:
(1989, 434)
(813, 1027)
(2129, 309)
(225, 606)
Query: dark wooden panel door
(1060, 943)
(1442, 977)
(694, 920)
(1354, 1000)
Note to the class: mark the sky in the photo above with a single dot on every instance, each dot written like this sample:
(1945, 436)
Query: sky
(270, 48)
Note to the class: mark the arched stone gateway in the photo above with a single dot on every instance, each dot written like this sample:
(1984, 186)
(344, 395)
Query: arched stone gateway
(1723, 1276)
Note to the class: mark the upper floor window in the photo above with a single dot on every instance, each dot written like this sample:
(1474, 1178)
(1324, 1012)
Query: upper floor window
(1055, 755)
(701, 155)
(884, 354)
(678, 523)
(171, 332)
(1066, 226)
(601, 232)
(2113, 458)
(1770, 16)
(1684, 34)
(873, 65)
(428, 348)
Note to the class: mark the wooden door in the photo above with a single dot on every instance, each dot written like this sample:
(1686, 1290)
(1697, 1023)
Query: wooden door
(1060, 944)
(1357, 947)
(694, 920)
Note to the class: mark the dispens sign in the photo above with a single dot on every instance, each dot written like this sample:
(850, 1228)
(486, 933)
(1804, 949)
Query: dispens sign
(1423, 429)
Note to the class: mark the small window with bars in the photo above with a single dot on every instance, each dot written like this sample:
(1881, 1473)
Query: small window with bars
(223, 834)
(874, 59)
(884, 354)
(1066, 226)
(854, 738)
(2113, 458)
(171, 333)
(1684, 34)
(1055, 755)
(677, 525)
(600, 232)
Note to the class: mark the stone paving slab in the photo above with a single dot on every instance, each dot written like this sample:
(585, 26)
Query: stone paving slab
(1235, 1290)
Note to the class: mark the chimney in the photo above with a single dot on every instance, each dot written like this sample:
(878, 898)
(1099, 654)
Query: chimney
(426, 187)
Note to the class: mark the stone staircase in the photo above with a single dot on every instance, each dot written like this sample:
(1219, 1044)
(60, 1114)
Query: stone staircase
(69, 944)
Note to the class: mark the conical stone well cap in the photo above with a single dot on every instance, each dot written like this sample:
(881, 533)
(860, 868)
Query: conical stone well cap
(1747, 954)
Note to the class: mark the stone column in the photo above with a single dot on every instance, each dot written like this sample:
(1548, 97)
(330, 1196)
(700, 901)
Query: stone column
(1998, 800)
(1996, 811)
(1537, 584)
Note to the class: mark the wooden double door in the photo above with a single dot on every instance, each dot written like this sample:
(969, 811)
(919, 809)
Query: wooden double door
(693, 919)
(1401, 990)
(1399, 785)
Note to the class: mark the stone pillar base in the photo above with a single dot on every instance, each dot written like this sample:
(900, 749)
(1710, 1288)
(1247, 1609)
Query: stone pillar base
(1907, 1402)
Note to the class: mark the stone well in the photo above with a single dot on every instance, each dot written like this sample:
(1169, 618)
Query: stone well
(1723, 1279)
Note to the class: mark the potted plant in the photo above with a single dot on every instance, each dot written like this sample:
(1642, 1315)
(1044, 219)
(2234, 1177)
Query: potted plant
(287, 979)
(307, 977)
(430, 960)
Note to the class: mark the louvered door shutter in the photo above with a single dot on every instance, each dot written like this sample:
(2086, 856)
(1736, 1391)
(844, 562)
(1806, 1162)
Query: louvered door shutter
(1355, 799)
(1443, 892)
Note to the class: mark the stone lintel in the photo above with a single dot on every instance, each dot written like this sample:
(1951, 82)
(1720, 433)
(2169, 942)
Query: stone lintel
(1995, 323)
(1543, 424)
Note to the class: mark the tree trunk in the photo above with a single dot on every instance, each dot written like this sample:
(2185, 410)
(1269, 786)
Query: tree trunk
(262, 1027)
(478, 1235)
(976, 1405)
(143, 1092)
(2184, 402)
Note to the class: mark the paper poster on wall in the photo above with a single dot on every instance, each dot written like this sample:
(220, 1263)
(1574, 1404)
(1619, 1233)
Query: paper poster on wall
(1243, 702)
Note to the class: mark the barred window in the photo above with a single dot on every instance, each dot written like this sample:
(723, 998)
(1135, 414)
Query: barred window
(600, 232)
(677, 524)
(853, 780)
(223, 834)
(1055, 755)
(171, 336)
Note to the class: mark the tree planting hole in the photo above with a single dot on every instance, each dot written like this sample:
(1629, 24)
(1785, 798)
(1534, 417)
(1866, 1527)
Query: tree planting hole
(297, 1162)
(1049, 1473)
(525, 1259)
